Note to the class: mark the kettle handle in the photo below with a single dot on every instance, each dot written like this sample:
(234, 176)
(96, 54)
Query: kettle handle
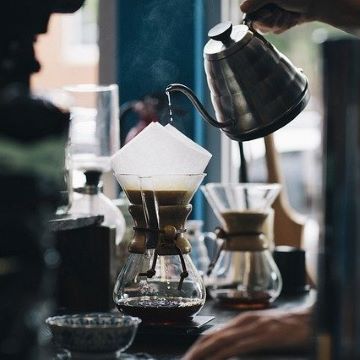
(198, 105)
(248, 20)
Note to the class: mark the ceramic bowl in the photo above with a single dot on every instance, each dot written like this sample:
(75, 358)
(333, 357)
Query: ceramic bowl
(104, 334)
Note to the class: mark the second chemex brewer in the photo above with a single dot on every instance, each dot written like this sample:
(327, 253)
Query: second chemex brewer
(243, 273)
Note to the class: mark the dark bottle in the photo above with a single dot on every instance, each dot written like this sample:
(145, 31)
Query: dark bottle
(338, 310)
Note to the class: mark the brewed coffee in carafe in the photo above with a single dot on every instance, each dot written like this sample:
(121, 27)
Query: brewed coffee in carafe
(244, 274)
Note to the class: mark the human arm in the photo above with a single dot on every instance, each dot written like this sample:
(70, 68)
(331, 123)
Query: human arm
(344, 14)
(254, 331)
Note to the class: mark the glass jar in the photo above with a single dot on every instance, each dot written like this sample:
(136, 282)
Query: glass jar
(94, 130)
(243, 273)
(162, 297)
(245, 279)
(90, 200)
(199, 253)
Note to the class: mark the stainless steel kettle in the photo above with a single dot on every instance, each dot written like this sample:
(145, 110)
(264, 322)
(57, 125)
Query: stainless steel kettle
(255, 90)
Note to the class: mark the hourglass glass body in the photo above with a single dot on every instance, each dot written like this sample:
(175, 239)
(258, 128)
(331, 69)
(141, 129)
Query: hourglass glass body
(159, 282)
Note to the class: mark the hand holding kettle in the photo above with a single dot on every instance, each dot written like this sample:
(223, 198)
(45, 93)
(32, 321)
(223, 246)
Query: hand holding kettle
(280, 15)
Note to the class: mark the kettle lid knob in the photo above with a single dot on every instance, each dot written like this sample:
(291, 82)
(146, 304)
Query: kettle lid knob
(221, 32)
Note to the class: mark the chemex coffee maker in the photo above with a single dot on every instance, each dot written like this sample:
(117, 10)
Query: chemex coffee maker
(243, 274)
(159, 282)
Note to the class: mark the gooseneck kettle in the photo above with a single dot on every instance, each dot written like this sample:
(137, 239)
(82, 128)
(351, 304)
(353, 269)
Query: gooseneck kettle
(255, 90)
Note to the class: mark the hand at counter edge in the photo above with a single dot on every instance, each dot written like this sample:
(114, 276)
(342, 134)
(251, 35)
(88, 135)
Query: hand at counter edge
(255, 331)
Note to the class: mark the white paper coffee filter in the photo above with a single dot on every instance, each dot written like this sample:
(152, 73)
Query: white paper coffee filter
(188, 142)
(160, 150)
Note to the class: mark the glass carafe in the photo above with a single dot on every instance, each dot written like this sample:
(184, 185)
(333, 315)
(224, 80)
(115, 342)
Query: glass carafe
(90, 200)
(243, 274)
(199, 253)
(94, 130)
(159, 282)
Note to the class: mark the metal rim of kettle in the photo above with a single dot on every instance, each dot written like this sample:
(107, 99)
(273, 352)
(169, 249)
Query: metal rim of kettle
(277, 123)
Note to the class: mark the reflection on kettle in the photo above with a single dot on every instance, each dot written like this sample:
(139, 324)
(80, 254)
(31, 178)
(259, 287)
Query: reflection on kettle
(255, 90)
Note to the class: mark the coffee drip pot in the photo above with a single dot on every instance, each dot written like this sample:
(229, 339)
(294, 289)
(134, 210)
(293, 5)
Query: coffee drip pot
(159, 282)
(243, 273)
(255, 90)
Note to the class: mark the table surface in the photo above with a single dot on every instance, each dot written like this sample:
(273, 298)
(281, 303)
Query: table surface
(74, 221)
(166, 344)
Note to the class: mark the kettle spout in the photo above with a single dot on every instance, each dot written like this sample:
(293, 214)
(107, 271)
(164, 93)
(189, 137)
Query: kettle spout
(198, 105)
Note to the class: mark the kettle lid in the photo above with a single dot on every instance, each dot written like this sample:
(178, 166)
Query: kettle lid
(226, 39)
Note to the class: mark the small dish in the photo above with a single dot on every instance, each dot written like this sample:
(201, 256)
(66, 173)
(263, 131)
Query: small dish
(93, 336)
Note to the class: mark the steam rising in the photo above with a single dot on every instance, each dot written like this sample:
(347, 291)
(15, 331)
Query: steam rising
(155, 56)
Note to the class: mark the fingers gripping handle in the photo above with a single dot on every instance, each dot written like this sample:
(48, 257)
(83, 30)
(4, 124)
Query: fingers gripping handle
(249, 18)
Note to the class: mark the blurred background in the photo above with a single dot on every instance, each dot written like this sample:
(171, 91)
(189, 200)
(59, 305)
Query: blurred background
(143, 46)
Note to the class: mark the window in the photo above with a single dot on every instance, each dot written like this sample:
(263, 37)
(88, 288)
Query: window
(81, 34)
(68, 52)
